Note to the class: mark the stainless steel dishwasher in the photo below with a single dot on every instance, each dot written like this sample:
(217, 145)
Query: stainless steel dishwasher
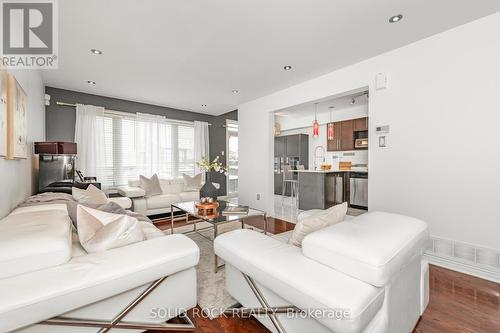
(358, 189)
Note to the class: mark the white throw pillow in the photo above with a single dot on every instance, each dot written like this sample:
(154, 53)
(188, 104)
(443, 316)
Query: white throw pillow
(192, 183)
(316, 222)
(92, 195)
(100, 231)
(151, 185)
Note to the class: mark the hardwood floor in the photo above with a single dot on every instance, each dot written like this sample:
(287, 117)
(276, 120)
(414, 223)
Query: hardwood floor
(459, 303)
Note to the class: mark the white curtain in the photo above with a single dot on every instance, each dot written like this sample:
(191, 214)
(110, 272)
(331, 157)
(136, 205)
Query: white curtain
(90, 139)
(201, 144)
(154, 153)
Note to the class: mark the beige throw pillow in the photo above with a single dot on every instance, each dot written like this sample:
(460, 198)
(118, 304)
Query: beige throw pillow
(100, 231)
(192, 183)
(92, 195)
(316, 222)
(150, 185)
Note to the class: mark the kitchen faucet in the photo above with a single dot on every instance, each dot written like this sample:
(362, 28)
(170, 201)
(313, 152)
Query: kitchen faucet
(316, 156)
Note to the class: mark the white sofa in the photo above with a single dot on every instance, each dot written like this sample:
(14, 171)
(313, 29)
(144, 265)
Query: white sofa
(173, 192)
(365, 275)
(45, 273)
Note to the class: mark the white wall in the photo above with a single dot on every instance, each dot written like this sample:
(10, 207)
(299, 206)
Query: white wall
(439, 165)
(17, 177)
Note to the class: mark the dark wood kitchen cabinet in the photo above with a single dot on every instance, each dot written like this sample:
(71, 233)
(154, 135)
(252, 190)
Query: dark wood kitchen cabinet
(361, 124)
(334, 144)
(347, 135)
(343, 136)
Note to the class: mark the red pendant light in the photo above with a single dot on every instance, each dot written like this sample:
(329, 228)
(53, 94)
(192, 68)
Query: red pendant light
(329, 129)
(315, 124)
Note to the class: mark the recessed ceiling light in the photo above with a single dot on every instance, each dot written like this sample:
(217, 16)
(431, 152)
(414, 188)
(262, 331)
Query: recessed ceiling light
(204, 105)
(91, 82)
(235, 91)
(96, 51)
(395, 18)
(287, 67)
(331, 107)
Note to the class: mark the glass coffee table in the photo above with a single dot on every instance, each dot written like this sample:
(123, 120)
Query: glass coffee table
(188, 209)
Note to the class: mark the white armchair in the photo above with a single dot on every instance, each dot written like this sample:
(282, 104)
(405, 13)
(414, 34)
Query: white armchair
(362, 275)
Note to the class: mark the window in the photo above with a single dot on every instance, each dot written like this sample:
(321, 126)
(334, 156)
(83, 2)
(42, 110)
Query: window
(137, 145)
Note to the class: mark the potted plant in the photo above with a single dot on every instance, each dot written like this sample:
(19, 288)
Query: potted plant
(208, 189)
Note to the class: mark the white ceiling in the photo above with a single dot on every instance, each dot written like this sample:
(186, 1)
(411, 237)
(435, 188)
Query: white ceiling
(187, 53)
(325, 105)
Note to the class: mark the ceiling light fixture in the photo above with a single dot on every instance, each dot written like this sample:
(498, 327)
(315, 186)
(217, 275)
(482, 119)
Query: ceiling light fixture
(204, 105)
(96, 51)
(395, 18)
(235, 91)
(315, 123)
(330, 134)
(287, 67)
(91, 82)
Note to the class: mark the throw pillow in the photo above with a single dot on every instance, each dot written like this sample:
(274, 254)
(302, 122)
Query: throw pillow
(316, 222)
(150, 185)
(100, 231)
(192, 183)
(92, 195)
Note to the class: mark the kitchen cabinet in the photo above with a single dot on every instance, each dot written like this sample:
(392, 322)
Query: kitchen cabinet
(334, 144)
(344, 134)
(361, 124)
(289, 150)
(347, 135)
(292, 145)
(279, 146)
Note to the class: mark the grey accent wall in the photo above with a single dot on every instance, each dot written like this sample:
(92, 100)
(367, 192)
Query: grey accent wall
(60, 120)
(218, 145)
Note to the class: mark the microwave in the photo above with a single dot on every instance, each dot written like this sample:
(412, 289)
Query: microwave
(361, 143)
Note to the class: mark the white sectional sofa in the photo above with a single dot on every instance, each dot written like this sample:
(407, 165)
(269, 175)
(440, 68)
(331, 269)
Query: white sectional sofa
(365, 275)
(173, 192)
(47, 278)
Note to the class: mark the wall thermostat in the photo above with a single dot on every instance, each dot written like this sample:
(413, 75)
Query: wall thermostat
(382, 129)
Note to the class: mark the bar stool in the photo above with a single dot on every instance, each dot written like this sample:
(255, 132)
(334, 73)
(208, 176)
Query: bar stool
(289, 180)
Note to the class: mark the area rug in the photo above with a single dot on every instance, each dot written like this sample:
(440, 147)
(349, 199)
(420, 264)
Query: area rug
(212, 294)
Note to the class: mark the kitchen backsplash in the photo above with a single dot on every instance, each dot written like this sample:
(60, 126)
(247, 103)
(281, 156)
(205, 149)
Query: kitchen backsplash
(355, 157)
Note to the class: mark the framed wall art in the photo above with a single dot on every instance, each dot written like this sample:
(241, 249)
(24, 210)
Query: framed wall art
(3, 112)
(17, 108)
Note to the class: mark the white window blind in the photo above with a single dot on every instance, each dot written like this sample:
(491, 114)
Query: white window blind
(142, 146)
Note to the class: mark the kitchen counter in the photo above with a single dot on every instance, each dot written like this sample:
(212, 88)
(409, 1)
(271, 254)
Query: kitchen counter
(332, 171)
(321, 189)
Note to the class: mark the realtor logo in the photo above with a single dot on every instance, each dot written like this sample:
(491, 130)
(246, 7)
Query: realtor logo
(29, 34)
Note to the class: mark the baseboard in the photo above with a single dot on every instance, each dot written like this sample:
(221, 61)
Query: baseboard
(465, 258)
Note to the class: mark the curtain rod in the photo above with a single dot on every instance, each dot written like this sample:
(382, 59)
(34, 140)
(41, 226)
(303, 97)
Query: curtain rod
(121, 112)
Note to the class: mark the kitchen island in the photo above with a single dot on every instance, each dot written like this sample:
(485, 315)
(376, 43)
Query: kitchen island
(318, 188)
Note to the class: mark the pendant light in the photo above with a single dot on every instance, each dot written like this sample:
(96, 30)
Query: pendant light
(315, 124)
(329, 129)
